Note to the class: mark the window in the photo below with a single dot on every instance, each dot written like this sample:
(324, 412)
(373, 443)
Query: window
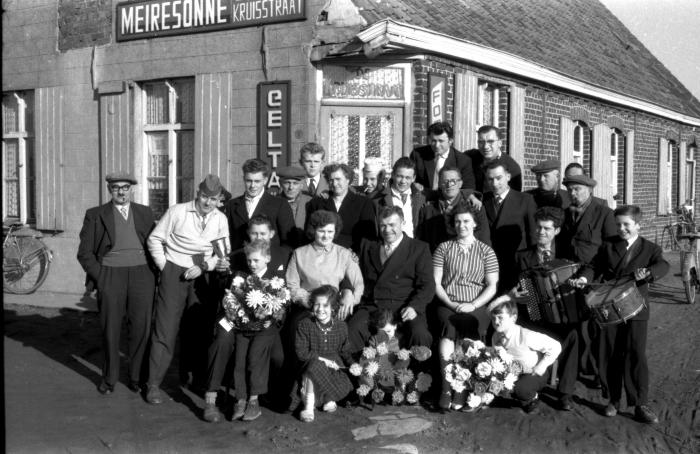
(579, 133)
(665, 202)
(18, 182)
(487, 105)
(168, 142)
(690, 173)
(617, 166)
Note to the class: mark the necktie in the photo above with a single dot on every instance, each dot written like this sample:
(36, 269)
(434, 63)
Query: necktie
(499, 201)
(439, 162)
(204, 223)
(125, 212)
(312, 186)
(546, 255)
(404, 197)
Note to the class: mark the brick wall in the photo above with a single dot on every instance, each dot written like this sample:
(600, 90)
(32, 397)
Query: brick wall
(421, 70)
(84, 23)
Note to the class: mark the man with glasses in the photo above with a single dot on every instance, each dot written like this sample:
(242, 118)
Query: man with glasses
(112, 252)
(433, 227)
(181, 246)
(490, 151)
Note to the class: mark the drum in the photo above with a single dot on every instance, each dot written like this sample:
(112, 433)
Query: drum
(549, 297)
(611, 304)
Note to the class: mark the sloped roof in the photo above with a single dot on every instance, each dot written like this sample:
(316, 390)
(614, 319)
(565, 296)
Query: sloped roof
(578, 38)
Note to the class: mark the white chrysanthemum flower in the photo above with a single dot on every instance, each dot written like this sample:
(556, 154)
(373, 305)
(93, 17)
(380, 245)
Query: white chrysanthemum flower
(276, 283)
(363, 390)
(274, 304)
(479, 345)
(497, 365)
(483, 369)
(463, 374)
(382, 349)
(255, 298)
(509, 381)
(473, 401)
(238, 281)
(372, 368)
(487, 398)
(369, 352)
(412, 397)
(356, 369)
(471, 352)
(458, 386)
(403, 354)
(241, 313)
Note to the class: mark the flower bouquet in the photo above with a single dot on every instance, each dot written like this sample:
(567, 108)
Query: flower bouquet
(384, 374)
(484, 372)
(252, 303)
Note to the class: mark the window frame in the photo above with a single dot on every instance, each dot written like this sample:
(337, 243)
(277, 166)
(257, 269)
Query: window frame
(172, 128)
(25, 175)
(690, 162)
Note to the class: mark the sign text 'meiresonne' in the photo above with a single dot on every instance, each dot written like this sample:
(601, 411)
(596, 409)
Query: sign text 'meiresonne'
(154, 18)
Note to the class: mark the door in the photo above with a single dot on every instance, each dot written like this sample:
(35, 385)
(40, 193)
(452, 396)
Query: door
(351, 134)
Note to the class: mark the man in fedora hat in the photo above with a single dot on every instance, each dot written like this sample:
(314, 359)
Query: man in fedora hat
(548, 192)
(181, 246)
(113, 253)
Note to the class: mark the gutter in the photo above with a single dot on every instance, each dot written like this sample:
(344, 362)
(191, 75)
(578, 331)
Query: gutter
(388, 33)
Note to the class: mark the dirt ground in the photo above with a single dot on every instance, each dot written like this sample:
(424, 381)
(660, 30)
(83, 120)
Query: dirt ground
(52, 357)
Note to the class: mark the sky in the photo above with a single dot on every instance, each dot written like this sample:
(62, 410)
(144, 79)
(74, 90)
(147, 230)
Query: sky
(670, 29)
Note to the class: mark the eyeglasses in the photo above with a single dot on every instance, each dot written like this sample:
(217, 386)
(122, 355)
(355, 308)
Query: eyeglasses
(451, 182)
(124, 188)
(484, 142)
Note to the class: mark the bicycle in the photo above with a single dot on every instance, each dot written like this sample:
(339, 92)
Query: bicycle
(689, 267)
(25, 260)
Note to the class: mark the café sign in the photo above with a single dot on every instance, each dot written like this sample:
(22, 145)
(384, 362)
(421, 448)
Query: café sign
(274, 125)
(363, 82)
(156, 18)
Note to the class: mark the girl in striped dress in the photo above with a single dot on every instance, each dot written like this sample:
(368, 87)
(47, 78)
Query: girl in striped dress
(466, 274)
(321, 343)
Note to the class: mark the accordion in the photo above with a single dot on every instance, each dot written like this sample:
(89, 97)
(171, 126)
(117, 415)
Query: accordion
(549, 297)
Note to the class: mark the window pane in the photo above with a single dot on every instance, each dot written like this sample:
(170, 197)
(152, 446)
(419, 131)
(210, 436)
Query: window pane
(157, 144)
(11, 178)
(10, 111)
(184, 90)
(488, 106)
(31, 179)
(185, 166)
(156, 103)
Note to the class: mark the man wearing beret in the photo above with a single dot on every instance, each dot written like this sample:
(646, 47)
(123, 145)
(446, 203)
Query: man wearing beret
(587, 222)
(291, 179)
(548, 192)
(112, 252)
(181, 246)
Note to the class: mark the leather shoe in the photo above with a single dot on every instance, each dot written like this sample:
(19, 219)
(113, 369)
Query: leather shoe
(211, 413)
(565, 403)
(252, 410)
(154, 395)
(134, 386)
(610, 410)
(105, 388)
(531, 405)
(644, 414)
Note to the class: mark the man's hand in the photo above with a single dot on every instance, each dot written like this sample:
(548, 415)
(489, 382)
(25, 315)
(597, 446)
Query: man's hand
(223, 266)
(578, 282)
(301, 296)
(192, 273)
(347, 304)
(408, 313)
(519, 292)
(419, 187)
(539, 369)
(641, 273)
(330, 364)
(475, 202)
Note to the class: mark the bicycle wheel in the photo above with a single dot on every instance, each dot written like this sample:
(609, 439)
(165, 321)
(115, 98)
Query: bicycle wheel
(25, 265)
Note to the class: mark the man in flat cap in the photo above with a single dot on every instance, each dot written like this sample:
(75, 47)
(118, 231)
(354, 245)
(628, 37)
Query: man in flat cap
(373, 175)
(113, 253)
(181, 246)
(291, 179)
(548, 192)
(587, 222)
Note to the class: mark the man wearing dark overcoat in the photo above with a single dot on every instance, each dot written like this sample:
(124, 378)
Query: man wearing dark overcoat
(548, 192)
(114, 254)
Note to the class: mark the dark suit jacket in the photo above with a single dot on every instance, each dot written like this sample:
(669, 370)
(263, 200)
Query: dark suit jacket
(516, 178)
(512, 229)
(580, 241)
(297, 237)
(98, 234)
(357, 214)
(385, 199)
(321, 189)
(609, 265)
(275, 208)
(405, 279)
(559, 199)
(433, 226)
(424, 157)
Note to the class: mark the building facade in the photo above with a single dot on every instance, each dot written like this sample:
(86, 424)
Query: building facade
(174, 89)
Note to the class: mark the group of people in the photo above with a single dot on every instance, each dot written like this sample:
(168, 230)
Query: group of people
(425, 257)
